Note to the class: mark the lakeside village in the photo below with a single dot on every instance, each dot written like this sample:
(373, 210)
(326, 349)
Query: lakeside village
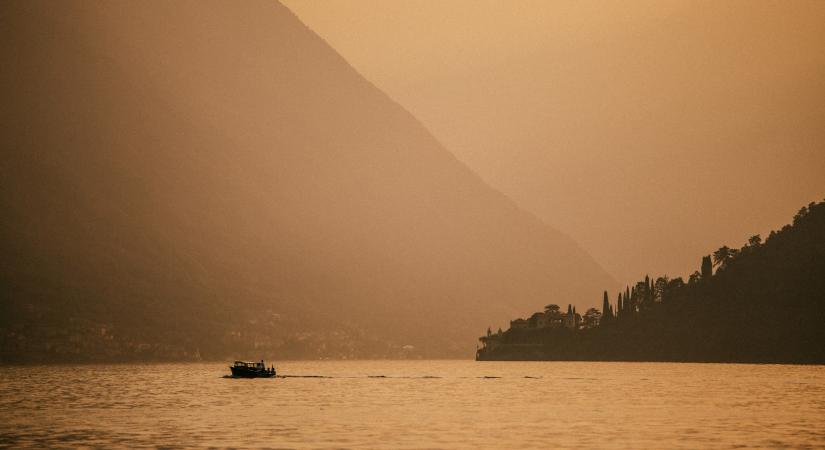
(632, 301)
(550, 318)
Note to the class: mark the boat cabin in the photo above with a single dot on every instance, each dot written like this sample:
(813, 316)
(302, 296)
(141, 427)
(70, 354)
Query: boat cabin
(249, 365)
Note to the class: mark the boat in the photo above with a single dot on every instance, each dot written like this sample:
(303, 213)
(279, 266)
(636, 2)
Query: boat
(245, 369)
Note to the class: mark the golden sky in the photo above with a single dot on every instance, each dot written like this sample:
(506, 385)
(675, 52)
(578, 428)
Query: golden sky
(651, 132)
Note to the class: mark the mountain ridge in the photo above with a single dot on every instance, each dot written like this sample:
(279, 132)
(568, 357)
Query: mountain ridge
(208, 163)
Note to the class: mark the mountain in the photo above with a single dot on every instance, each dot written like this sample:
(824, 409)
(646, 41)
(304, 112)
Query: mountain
(622, 123)
(199, 179)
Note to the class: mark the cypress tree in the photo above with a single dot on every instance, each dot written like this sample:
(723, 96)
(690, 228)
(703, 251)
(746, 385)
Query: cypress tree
(606, 307)
(707, 267)
(634, 298)
(648, 298)
(626, 298)
(619, 306)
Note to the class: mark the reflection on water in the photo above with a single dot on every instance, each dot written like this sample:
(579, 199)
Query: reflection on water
(416, 404)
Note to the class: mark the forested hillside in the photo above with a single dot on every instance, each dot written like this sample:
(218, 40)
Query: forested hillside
(765, 302)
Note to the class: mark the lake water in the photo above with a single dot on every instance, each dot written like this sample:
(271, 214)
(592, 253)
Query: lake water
(416, 404)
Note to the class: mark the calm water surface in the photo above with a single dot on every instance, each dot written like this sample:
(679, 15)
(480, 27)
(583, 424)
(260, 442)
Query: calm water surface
(416, 404)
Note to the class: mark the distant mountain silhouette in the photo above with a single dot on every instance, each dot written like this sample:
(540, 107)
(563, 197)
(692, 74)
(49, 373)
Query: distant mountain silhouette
(184, 179)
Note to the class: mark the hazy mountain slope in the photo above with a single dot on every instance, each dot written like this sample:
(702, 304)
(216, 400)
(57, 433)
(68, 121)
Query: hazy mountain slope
(622, 123)
(173, 169)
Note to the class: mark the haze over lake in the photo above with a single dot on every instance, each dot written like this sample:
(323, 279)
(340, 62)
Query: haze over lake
(416, 404)
(612, 196)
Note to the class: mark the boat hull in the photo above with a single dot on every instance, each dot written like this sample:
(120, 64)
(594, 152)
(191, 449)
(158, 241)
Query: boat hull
(244, 372)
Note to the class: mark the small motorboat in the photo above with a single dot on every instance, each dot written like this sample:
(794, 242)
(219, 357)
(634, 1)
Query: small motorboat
(244, 369)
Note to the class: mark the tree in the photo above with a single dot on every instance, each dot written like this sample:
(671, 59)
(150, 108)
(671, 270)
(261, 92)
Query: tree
(627, 303)
(755, 241)
(723, 256)
(660, 289)
(647, 293)
(552, 308)
(694, 277)
(606, 307)
(643, 293)
(619, 306)
(591, 319)
(707, 267)
(802, 213)
(675, 284)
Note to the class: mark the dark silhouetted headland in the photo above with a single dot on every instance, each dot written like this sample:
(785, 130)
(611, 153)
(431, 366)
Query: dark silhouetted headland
(765, 303)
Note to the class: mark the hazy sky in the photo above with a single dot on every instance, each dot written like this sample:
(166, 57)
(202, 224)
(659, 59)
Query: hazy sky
(651, 132)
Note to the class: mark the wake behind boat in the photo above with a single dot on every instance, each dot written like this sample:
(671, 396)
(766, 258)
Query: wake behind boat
(244, 369)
